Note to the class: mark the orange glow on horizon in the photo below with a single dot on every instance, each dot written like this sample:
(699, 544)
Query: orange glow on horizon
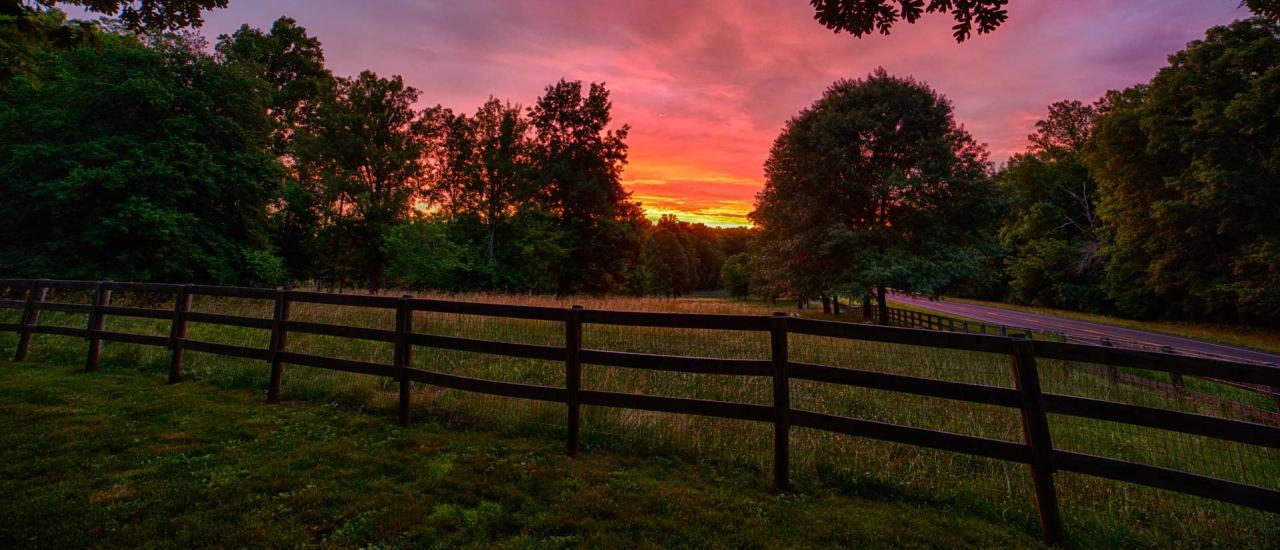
(691, 192)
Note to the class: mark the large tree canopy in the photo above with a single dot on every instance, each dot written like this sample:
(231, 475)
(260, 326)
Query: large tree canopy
(874, 186)
(125, 161)
(1188, 169)
(862, 17)
(145, 14)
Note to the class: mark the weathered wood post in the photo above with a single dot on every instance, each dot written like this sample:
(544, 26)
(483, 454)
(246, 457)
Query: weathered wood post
(883, 302)
(781, 403)
(279, 338)
(178, 332)
(573, 379)
(1035, 431)
(97, 323)
(1174, 377)
(36, 294)
(404, 358)
(1113, 372)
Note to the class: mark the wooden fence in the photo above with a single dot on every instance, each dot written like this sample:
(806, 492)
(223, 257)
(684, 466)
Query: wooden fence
(920, 319)
(1036, 451)
(928, 321)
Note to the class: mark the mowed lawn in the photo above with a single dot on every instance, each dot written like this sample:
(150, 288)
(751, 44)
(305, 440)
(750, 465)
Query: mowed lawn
(117, 458)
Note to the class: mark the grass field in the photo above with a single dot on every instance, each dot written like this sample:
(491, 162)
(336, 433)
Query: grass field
(1097, 512)
(116, 459)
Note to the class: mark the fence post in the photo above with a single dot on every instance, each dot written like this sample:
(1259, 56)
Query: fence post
(1035, 431)
(278, 340)
(178, 332)
(573, 379)
(30, 316)
(1004, 331)
(1113, 372)
(781, 403)
(1174, 377)
(97, 323)
(404, 358)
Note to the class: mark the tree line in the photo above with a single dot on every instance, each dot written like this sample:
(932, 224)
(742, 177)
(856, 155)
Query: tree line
(128, 151)
(1156, 201)
(1159, 200)
(145, 155)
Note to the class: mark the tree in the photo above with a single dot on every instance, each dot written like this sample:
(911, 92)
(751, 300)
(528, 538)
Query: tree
(1186, 168)
(578, 160)
(140, 15)
(25, 35)
(874, 186)
(481, 166)
(291, 64)
(861, 17)
(421, 255)
(670, 261)
(131, 162)
(736, 275)
(1051, 229)
(1264, 8)
(364, 147)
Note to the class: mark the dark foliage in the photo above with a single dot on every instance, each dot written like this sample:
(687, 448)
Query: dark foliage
(862, 17)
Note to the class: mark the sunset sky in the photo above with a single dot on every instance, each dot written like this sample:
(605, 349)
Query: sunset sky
(706, 85)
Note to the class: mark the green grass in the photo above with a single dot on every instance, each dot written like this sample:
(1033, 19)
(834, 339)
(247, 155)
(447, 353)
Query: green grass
(1259, 338)
(118, 459)
(1098, 512)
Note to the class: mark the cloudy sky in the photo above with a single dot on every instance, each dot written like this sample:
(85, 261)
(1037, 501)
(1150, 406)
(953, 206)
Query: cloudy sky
(707, 84)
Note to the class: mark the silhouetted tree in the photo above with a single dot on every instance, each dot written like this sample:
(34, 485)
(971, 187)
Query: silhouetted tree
(481, 166)
(291, 63)
(874, 186)
(145, 14)
(577, 164)
(364, 147)
(862, 17)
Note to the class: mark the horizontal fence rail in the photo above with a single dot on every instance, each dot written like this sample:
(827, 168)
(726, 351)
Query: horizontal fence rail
(1036, 450)
(929, 321)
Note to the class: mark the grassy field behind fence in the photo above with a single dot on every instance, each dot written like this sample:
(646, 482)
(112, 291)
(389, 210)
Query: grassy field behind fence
(1096, 511)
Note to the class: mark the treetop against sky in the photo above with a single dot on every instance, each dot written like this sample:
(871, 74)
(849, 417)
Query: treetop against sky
(707, 85)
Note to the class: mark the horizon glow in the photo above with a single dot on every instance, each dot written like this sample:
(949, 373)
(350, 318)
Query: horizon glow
(706, 86)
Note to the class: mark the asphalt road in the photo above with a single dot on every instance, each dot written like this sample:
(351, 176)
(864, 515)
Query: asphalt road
(1092, 332)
